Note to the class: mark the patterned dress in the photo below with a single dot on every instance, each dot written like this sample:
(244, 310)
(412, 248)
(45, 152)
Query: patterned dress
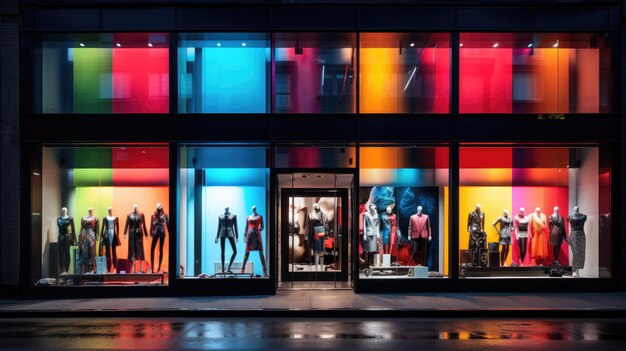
(477, 238)
(67, 237)
(577, 239)
(254, 227)
(89, 226)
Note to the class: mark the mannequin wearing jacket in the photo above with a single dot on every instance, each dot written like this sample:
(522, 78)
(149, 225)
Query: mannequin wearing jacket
(556, 225)
(159, 224)
(419, 234)
(371, 233)
(227, 229)
(136, 228)
(318, 228)
(538, 243)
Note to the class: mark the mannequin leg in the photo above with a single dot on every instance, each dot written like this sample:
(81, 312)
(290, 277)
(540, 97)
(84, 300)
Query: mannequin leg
(231, 240)
(504, 254)
(132, 265)
(152, 247)
(413, 251)
(114, 263)
(557, 250)
(63, 254)
(262, 257)
(422, 242)
(522, 250)
(222, 247)
(161, 243)
(92, 253)
(245, 260)
(107, 251)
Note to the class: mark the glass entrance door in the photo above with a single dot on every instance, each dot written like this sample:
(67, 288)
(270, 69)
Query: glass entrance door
(314, 227)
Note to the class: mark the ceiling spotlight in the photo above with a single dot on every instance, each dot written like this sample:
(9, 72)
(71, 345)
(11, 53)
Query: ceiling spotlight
(461, 45)
(150, 44)
(219, 44)
(81, 44)
(495, 45)
(556, 44)
(243, 44)
(412, 44)
(118, 45)
(530, 45)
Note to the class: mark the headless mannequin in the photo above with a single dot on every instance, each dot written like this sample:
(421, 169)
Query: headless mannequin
(226, 231)
(368, 238)
(577, 240)
(505, 247)
(387, 247)
(420, 244)
(109, 239)
(254, 215)
(88, 237)
(134, 242)
(67, 237)
(477, 237)
(159, 223)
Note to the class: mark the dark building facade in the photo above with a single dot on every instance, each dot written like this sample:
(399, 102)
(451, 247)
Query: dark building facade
(219, 148)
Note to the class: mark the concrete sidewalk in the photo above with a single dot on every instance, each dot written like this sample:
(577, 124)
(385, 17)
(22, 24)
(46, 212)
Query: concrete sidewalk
(333, 303)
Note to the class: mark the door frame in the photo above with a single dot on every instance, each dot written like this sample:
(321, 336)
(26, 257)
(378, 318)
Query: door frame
(342, 276)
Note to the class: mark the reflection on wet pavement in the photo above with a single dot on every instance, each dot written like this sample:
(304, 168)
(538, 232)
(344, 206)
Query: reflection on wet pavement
(281, 333)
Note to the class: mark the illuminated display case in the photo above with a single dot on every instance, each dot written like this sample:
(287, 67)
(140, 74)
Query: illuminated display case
(95, 216)
(403, 202)
(102, 73)
(224, 73)
(224, 220)
(314, 72)
(534, 211)
(404, 72)
(534, 73)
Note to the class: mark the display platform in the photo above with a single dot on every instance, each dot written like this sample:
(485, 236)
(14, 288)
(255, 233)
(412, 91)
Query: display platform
(112, 279)
(501, 272)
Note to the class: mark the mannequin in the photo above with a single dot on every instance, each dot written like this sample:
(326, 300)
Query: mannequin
(371, 233)
(539, 246)
(557, 233)
(318, 228)
(477, 236)
(136, 229)
(577, 240)
(159, 223)
(520, 228)
(89, 226)
(506, 224)
(67, 237)
(390, 223)
(110, 238)
(227, 229)
(253, 238)
(419, 234)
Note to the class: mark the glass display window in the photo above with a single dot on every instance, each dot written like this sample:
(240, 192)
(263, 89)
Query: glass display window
(403, 205)
(100, 216)
(535, 73)
(314, 72)
(404, 72)
(224, 73)
(224, 212)
(534, 211)
(102, 73)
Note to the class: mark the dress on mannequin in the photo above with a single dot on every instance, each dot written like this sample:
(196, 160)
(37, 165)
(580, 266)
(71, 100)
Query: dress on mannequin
(577, 239)
(89, 226)
(67, 237)
(521, 233)
(539, 245)
(556, 224)
(254, 240)
(318, 228)
(136, 228)
(477, 237)
(109, 238)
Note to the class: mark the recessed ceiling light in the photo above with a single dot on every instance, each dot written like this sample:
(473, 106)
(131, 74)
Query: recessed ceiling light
(81, 44)
(412, 44)
(555, 45)
(495, 45)
(150, 44)
(243, 44)
(219, 44)
(461, 45)
(118, 45)
(530, 45)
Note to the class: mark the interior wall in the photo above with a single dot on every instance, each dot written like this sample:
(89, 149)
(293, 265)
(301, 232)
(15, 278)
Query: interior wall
(51, 74)
(588, 195)
(51, 205)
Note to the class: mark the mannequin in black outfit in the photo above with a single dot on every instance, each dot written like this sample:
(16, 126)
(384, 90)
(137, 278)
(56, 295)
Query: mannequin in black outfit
(227, 229)
(159, 223)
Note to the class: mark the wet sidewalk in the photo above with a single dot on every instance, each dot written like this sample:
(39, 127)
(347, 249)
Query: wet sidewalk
(325, 303)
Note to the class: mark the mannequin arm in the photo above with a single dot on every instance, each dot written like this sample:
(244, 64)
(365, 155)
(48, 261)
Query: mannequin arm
(430, 233)
(235, 228)
(469, 220)
(219, 224)
(410, 233)
(495, 225)
(126, 225)
(152, 219)
(143, 225)
(73, 236)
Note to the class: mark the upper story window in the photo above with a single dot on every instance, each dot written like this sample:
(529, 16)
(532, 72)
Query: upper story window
(224, 73)
(534, 73)
(405, 72)
(102, 73)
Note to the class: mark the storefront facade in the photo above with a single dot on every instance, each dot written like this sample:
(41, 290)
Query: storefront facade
(228, 150)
